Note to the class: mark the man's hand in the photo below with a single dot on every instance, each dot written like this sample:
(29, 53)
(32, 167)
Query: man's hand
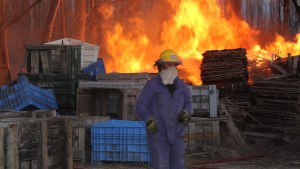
(151, 126)
(183, 116)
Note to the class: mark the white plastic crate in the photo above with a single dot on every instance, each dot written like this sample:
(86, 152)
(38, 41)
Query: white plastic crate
(204, 100)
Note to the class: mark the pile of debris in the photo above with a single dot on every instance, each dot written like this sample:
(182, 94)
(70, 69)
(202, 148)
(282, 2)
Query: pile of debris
(225, 68)
(277, 106)
(275, 113)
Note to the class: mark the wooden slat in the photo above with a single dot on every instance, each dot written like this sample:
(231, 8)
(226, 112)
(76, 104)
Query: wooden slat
(68, 144)
(34, 61)
(45, 59)
(2, 152)
(12, 153)
(42, 145)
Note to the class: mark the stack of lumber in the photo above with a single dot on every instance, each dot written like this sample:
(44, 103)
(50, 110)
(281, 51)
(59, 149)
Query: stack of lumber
(225, 68)
(277, 106)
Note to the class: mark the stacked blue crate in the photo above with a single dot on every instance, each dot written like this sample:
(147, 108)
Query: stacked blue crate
(22, 95)
(94, 68)
(119, 140)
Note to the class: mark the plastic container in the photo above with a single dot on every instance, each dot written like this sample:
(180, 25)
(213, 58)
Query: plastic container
(204, 100)
(94, 68)
(119, 140)
(23, 95)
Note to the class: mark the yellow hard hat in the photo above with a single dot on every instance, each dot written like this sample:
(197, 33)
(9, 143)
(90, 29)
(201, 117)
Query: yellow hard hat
(169, 56)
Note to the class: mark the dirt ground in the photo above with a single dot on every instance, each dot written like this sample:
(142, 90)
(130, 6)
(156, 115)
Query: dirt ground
(259, 154)
(267, 157)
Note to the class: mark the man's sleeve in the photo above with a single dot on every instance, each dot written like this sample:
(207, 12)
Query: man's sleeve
(143, 102)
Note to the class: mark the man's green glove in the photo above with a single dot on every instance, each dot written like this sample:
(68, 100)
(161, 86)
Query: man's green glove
(183, 116)
(151, 126)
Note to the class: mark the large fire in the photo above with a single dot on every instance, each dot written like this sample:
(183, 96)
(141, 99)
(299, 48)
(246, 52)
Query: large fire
(193, 27)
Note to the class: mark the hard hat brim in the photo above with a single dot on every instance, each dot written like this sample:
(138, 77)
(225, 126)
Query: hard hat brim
(163, 62)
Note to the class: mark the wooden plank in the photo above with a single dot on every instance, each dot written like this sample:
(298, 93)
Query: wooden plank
(28, 114)
(68, 144)
(34, 61)
(232, 128)
(2, 162)
(12, 153)
(42, 145)
(81, 139)
(192, 133)
(216, 133)
(45, 61)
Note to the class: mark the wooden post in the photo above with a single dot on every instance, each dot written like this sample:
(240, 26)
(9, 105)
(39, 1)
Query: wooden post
(2, 163)
(191, 136)
(97, 103)
(81, 142)
(216, 133)
(42, 145)
(295, 64)
(69, 151)
(105, 102)
(12, 153)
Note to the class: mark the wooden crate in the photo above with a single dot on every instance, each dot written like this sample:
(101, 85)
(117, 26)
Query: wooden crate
(202, 131)
(81, 139)
(36, 143)
(117, 103)
(27, 114)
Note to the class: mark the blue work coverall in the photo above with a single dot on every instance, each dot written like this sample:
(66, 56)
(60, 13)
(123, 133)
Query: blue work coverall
(166, 147)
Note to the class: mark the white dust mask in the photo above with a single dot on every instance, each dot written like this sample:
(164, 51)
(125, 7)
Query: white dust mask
(169, 75)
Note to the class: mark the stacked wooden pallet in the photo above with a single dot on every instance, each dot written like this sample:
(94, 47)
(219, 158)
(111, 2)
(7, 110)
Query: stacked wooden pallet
(225, 68)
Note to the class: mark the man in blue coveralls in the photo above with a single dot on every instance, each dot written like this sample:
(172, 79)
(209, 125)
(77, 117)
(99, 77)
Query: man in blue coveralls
(165, 104)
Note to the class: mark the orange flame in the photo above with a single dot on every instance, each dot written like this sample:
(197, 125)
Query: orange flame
(193, 27)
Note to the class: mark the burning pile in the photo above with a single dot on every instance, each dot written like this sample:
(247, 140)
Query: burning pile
(224, 67)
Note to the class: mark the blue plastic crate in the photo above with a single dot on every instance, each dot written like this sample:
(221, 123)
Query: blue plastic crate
(119, 140)
(94, 68)
(23, 94)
